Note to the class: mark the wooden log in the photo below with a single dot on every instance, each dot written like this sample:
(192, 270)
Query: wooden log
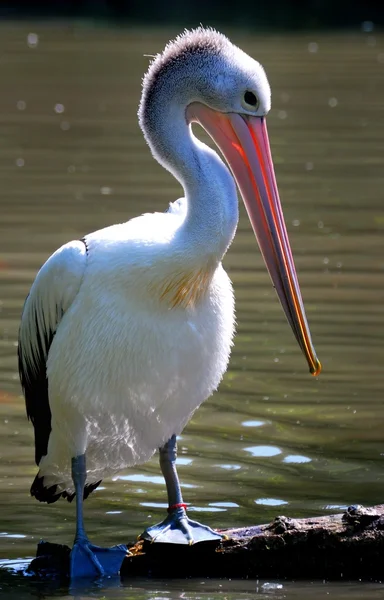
(332, 547)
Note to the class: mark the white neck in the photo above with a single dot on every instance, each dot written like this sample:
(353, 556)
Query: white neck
(212, 212)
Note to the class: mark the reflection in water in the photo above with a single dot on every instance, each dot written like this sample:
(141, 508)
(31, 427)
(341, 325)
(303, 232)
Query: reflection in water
(263, 450)
(73, 160)
(270, 501)
(18, 588)
(296, 459)
(252, 423)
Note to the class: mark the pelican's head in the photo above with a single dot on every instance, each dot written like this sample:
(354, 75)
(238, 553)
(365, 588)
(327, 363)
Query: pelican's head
(202, 65)
(209, 80)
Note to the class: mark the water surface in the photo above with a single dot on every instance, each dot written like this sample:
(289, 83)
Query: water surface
(273, 439)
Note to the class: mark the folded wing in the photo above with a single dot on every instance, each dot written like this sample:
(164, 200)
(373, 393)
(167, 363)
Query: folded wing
(53, 291)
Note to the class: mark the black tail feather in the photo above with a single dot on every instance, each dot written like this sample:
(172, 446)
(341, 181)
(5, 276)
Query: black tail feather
(89, 488)
(50, 494)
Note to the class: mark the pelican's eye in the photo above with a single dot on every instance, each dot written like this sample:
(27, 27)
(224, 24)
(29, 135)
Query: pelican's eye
(249, 101)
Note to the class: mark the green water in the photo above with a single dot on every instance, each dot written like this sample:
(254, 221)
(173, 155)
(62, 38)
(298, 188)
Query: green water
(273, 439)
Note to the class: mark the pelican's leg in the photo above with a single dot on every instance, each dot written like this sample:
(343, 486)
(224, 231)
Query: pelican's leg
(177, 528)
(88, 560)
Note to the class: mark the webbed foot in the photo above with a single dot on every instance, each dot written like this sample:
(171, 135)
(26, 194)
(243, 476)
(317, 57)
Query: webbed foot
(177, 528)
(87, 560)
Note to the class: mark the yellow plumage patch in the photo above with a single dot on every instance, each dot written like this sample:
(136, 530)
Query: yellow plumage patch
(186, 288)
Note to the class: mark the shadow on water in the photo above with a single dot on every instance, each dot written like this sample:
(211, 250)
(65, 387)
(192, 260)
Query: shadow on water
(15, 585)
(272, 439)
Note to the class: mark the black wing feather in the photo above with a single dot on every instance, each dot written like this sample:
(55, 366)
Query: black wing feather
(35, 387)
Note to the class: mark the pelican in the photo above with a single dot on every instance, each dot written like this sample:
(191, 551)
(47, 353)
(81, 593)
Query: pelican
(127, 331)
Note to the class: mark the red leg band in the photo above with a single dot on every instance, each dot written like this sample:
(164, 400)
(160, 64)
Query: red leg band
(179, 505)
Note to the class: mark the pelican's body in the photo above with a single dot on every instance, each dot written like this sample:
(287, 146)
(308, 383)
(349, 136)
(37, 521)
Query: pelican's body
(126, 332)
(130, 362)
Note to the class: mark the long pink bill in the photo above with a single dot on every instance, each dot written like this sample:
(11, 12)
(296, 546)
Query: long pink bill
(244, 142)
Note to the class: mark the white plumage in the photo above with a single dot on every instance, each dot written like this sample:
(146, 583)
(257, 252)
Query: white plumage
(125, 371)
